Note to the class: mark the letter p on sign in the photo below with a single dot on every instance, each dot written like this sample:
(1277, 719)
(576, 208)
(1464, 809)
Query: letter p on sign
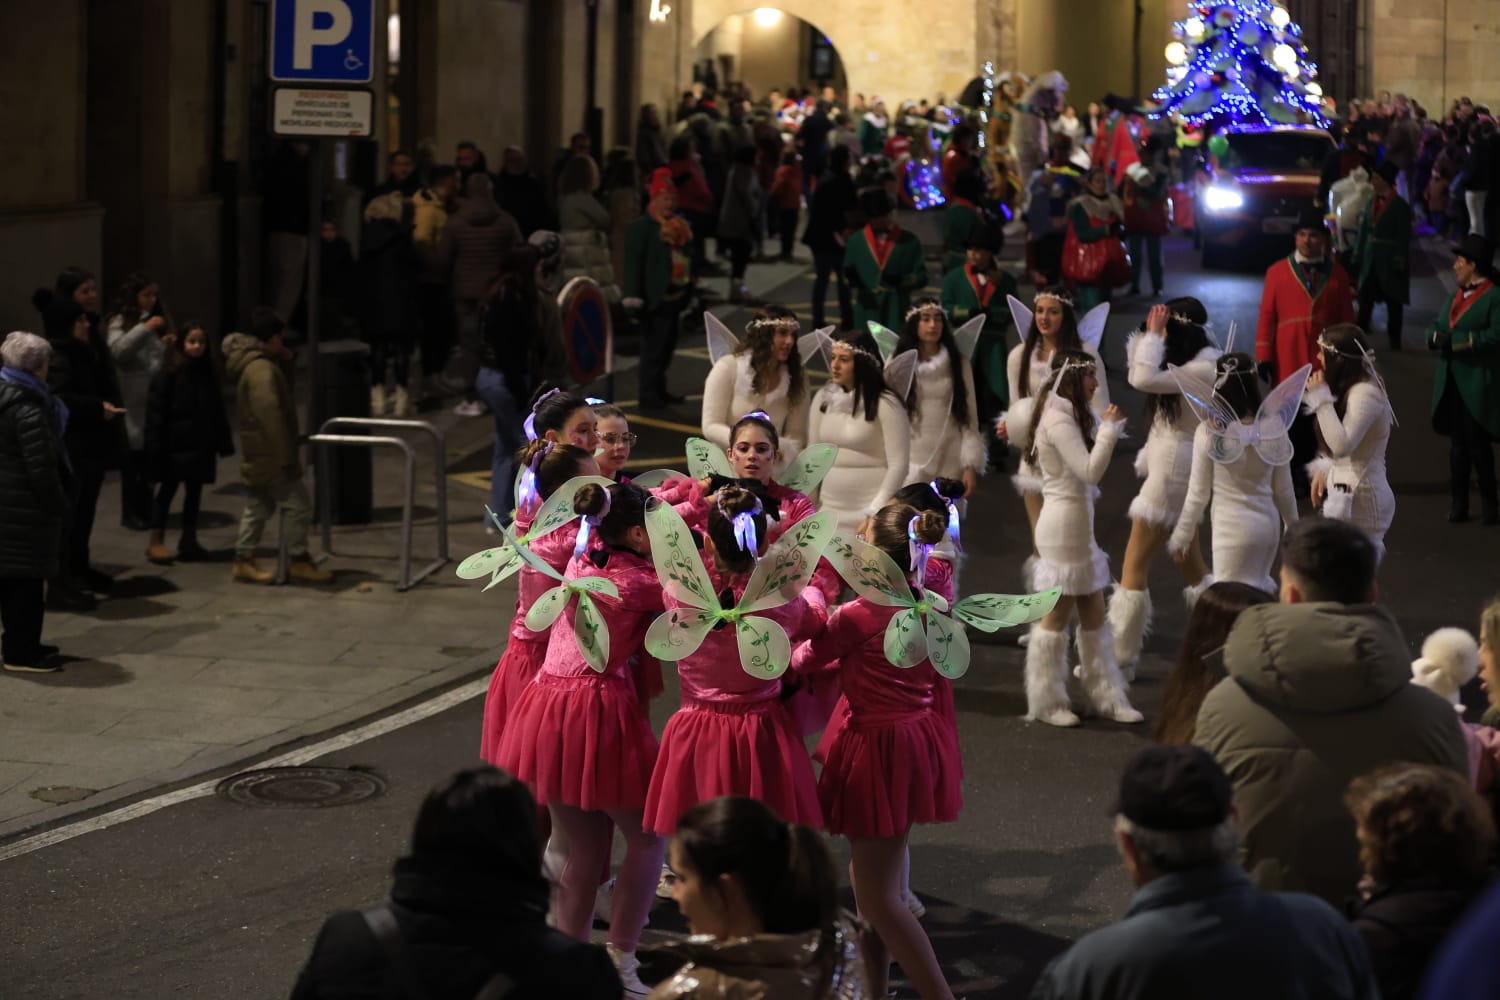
(307, 34)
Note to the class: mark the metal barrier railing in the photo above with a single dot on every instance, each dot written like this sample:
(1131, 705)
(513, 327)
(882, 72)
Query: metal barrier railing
(323, 439)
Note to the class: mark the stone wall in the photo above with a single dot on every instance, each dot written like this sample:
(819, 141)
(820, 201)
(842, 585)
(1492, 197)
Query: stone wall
(1413, 50)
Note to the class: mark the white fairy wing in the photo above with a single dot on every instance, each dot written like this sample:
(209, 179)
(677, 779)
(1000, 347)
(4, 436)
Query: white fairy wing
(1091, 325)
(557, 510)
(900, 372)
(1275, 418)
(872, 573)
(703, 459)
(805, 472)
(679, 564)
(788, 565)
(1020, 314)
(825, 344)
(885, 339)
(1211, 410)
(721, 342)
(810, 344)
(967, 335)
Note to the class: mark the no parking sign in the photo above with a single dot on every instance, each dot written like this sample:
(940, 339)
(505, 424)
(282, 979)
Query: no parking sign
(587, 330)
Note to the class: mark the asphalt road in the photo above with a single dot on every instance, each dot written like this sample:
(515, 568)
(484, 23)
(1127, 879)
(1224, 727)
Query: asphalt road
(215, 899)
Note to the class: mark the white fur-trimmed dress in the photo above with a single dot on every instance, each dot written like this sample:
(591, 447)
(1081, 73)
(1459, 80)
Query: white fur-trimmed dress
(728, 395)
(1165, 461)
(1251, 499)
(1353, 456)
(1067, 554)
(940, 444)
(1028, 478)
(873, 457)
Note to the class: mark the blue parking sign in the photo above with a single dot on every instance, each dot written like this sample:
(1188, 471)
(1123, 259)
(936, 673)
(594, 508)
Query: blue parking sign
(323, 41)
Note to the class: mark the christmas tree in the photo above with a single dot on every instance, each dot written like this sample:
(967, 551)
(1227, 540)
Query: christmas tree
(1241, 60)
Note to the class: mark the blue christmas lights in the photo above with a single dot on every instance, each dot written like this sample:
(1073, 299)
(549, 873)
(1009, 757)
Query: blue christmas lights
(924, 179)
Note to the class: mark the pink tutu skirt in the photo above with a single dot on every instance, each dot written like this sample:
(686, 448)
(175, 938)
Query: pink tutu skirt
(518, 665)
(731, 748)
(580, 741)
(882, 777)
(942, 694)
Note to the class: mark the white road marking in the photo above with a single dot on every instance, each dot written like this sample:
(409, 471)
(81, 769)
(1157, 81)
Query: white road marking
(294, 758)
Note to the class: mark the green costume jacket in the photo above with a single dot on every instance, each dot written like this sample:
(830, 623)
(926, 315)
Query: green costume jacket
(1471, 360)
(1380, 262)
(959, 220)
(883, 294)
(648, 263)
(961, 300)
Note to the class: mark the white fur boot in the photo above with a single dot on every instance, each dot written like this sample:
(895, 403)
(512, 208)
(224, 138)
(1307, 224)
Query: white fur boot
(1102, 683)
(1190, 594)
(1028, 585)
(1130, 617)
(1047, 678)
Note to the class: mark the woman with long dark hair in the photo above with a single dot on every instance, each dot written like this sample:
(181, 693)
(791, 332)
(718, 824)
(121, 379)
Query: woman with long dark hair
(1355, 418)
(139, 335)
(1072, 448)
(1175, 334)
(945, 438)
(869, 423)
(1208, 625)
(760, 897)
(763, 373)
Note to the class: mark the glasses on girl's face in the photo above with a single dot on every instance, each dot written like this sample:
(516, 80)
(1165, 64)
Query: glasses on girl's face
(614, 440)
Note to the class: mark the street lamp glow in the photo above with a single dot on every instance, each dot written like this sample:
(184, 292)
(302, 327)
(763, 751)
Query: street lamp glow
(767, 17)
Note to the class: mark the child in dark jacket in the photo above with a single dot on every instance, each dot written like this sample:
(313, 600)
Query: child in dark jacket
(786, 199)
(186, 430)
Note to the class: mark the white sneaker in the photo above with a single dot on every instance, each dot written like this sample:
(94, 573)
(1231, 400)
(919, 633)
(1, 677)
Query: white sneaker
(400, 402)
(915, 905)
(628, 966)
(471, 408)
(666, 883)
(604, 902)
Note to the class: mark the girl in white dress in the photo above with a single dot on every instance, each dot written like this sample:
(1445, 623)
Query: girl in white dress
(765, 373)
(1175, 334)
(1242, 459)
(1052, 327)
(856, 411)
(945, 438)
(1071, 447)
(1354, 417)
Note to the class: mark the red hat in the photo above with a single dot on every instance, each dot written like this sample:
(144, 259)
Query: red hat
(661, 181)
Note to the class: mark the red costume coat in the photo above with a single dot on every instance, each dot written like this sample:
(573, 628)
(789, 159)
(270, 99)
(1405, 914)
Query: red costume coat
(1292, 317)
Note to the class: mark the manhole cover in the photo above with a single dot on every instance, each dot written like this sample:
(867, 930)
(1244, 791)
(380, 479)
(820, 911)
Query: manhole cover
(300, 787)
(61, 794)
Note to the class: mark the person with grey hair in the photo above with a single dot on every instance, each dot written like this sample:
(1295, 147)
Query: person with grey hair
(1196, 925)
(33, 495)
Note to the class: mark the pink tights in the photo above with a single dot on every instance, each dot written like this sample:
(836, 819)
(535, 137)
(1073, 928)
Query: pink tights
(587, 835)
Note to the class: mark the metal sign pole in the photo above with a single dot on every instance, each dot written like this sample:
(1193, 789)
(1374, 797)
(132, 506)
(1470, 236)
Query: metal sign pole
(314, 297)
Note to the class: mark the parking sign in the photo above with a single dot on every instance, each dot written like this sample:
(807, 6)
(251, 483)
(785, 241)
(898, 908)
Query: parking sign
(323, 41)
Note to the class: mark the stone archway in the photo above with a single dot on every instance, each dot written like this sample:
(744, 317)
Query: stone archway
(910, 51)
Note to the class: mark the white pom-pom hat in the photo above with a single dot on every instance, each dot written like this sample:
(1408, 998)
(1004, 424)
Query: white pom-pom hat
(1449, 660)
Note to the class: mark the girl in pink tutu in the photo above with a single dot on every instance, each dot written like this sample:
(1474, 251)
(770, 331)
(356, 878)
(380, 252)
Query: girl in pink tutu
(896, 761)
(580, 737)
(733, 734)
(550, 467)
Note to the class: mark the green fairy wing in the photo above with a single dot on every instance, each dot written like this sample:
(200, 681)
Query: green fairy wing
(788, 565)
(992, 612)
(678, 632)
(765, 650)
(589, 631)
(805, 472)
(498, 564)
(872, 573)
(557, 510)
(905, 644)
(947, 646)
(656, 477)
(703, 459)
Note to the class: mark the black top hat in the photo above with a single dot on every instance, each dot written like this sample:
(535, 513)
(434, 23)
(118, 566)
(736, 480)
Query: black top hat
(1311, 217)
(985, 238)
(1478, 249)
(1174, 788)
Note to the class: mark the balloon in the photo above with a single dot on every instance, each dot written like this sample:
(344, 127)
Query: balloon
(1218, 145)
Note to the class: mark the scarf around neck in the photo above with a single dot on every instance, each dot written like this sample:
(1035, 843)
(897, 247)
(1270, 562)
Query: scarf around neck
(57, 410)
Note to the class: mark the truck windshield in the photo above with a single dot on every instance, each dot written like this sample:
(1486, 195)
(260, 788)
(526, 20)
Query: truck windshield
(1276, 151)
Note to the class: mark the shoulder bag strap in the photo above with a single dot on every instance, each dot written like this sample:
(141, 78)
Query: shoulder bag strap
(382, 923)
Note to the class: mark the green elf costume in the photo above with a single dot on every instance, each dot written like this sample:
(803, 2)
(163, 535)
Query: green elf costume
(1381, 252)
(885, 265)
(980, 286)
(961, 217)
(1466, 393)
